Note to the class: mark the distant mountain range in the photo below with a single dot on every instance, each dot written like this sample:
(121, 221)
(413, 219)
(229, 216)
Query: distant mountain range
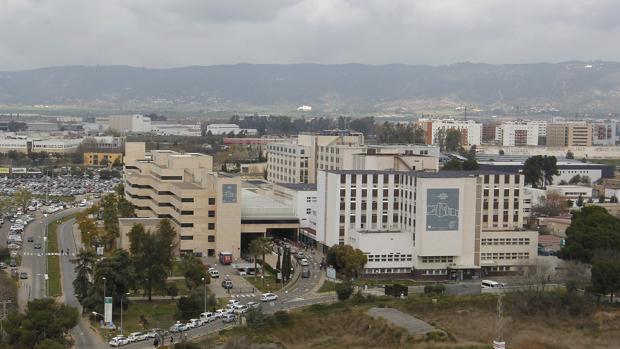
(348, 88)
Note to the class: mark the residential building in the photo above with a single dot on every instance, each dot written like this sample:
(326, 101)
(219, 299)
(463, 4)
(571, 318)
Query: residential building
(130, 123)
(604, 132)
(520, 133)
(569, 134)
(102, 159)
(471, 131)
(430, 225)
(226, 129)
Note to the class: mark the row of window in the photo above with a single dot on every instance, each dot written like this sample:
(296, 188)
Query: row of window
(435, 272)
(437, 259)
(496, 179)
(210, 238)
(282, 149)
(504, 255)
(389, 257)
(386, 270)
(505, 241)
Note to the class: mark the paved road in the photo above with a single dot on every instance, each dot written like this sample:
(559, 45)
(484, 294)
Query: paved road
(82, 334)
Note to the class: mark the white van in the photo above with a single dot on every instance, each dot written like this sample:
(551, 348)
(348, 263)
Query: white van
(492, 284)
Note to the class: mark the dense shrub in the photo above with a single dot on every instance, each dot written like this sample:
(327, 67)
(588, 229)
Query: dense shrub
(436, 289)
(344, 290)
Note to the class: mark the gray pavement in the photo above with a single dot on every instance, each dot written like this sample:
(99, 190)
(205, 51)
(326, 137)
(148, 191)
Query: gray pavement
(82, 334)
(413, 325)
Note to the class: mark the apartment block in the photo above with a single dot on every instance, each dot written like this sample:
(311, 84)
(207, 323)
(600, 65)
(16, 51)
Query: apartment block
(604, 132)
(129, 123)
(520, 133)
(471, 131)
(569, 134)
(427, 225)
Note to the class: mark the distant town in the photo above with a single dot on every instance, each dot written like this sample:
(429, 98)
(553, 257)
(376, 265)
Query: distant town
(245, 220)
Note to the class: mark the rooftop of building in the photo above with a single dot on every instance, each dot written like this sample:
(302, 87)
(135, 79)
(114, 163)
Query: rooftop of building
(255, 206)
(493, 159)
(423, 174)
(298, 186)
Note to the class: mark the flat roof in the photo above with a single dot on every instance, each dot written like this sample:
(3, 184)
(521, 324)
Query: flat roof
(298, 186)
(422, 174)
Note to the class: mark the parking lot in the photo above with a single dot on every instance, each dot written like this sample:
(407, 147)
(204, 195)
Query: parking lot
(66, 185)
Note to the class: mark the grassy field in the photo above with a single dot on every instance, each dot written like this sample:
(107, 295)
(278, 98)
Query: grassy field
(269, 284)
(53, 262)
(551, 320)
(158, 314)
(328, 286)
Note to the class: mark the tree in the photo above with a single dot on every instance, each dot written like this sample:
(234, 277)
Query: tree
(453, 139)
(501, 152)
(601, 199)
(419, 135)
(22, 198)
(117, 163)
(84, 269)
(570, 155)
(119, 275)
(43, 322)
(194, 271)
(265, 246)
(110, 218)
(365, 125)
(452, 165)
(592, 229)
(586, 180)
(344, 290)
(255, 250)
(576, 179)
(539, 170)
(440, 139)
(151, 253)
(613, 199)
(470, 165)
(606, 273)
(88, 230)
(346, 260)
(172, 291)
(580, 201)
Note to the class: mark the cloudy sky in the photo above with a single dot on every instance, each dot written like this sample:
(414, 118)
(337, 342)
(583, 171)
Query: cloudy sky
(166, 33)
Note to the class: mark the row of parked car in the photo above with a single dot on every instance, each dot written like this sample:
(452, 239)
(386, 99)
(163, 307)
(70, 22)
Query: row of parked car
(230, 314)
(65, 185)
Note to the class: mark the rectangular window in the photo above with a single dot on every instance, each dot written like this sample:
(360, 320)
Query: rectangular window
(211, 238)
(187, 225)
(187, 213)
(187, 199)
(187, 237)
(211, 226)
(211, 213)
(211, 201)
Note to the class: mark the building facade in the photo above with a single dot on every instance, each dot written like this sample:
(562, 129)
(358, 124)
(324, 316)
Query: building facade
(129, 123)
(429, 225)
(471, 131)
(569, 134)
(520, 133)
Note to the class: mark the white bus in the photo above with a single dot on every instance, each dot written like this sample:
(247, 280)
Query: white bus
(492, 284)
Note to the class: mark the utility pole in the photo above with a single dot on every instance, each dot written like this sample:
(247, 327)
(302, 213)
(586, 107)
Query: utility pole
(499, 342)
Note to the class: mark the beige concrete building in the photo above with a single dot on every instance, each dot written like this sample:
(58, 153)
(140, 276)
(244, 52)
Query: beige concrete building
(210, 211)
(569, 134)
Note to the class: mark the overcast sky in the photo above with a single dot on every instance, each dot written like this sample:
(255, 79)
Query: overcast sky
(167, 33)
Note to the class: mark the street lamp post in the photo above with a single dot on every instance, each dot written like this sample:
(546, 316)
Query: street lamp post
(204, 280)
(122, 296)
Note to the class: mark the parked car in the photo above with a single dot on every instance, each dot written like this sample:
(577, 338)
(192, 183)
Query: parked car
(214, 273)
(30, 239)
(228, 318)
(240, 309)
(227, 284)
(252, 305)
(304, 262)
(12, 263)
(37, 245)
(234, 302)
(23, 275)
(193, 323)
(136, 337)
(207, 317)
(219, 313)
(268, 297)
(118, 341)
(154, 333)
(178, 327)
(300, 255)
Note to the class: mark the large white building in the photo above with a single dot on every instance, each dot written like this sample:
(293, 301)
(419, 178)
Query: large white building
(519, 133)
(471, 131)
(39, 145)
(456, 225)
(226, 129)
(130, 123)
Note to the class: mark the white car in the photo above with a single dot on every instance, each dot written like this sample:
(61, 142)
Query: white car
(252, 304)
(207, 317)
(234, 302)
(304, 262)
(118, 341)
(240, 309)
(268, 297)
(136, 337)
(220, 313)
(214, 273)
(193, 323)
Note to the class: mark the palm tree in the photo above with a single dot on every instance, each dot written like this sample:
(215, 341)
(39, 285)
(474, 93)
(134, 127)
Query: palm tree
(255, 250)
(84, 269)
(265, 247)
